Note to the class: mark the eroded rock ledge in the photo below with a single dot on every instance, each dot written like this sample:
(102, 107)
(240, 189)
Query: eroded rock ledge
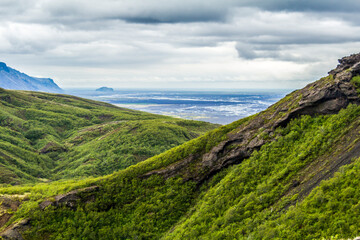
(327, 96)
(71, 199)
(13, 232)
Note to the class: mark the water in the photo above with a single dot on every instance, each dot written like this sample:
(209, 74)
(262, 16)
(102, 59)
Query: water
(220, 107)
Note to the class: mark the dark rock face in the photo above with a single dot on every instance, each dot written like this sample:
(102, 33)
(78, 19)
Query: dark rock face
(71, 199)
(327, 96)
(13, 232)
(350, 62)
(7, 204)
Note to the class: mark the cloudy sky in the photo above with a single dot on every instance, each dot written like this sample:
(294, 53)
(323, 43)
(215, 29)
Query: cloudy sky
(178, 43)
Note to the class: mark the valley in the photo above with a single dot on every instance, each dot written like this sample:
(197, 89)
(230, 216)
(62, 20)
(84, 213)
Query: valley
(288, 172)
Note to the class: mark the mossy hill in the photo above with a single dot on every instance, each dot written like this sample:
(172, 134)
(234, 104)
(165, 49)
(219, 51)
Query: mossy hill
(52, 136)
(289, 172)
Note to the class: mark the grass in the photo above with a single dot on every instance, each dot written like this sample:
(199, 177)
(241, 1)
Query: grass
(54, 136)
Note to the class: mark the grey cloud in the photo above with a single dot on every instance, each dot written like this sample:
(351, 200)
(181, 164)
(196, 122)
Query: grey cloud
(160, 11)
(246, 51)
(184, 11)
(176, 18)
(306, 5)
(135, 11)
(136, 34)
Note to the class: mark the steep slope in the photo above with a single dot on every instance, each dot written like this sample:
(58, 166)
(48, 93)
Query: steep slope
(52, 136)
(13, 79)
(268, 176)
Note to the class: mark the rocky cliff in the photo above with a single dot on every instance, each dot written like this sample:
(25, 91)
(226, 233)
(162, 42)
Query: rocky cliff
(13, 79)
(326, 96)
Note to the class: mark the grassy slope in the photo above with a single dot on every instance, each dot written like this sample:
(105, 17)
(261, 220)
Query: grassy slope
(255, 199)
(51, 136)
(237, 202)
(255, 191)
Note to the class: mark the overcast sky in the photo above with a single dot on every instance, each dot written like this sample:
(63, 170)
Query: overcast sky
(178, 43)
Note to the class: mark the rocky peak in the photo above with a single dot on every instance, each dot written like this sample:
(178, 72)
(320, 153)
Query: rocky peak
(3, 67)
(349, 64)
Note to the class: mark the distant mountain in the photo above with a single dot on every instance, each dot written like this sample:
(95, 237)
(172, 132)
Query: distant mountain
(104, 89)
(13, 79)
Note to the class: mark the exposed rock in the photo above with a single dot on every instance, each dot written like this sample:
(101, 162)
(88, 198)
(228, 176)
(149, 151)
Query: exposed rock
(13, 232)
(52, 147)
(7, 206)
(352, 61)
(327, 96)
(9, 203)
(71, 199)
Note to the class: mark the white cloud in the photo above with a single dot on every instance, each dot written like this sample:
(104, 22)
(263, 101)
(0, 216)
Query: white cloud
(170, 43)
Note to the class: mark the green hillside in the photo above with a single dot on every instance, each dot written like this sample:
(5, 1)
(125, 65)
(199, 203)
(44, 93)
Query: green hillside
(52, 136)
(289, 172)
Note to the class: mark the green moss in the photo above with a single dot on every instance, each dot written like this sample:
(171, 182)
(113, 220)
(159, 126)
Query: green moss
(356, 82)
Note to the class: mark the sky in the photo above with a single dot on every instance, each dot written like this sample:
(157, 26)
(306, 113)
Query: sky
(178, 44)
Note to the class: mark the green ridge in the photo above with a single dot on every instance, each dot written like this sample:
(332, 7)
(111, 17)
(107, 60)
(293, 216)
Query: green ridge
(53, 136)
(286, 189)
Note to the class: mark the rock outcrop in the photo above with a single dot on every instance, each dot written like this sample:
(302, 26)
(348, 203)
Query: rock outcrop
(13, 232)
(351, 63)
(7, 207)
(71, 199)
(327, 96)
(52, 147)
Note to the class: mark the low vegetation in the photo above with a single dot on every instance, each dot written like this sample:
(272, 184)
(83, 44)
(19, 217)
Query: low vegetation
(244, 200)
(51, 136)
(291, 187)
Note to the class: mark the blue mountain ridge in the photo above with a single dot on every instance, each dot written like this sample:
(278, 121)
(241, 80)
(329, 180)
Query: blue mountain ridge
(13, 79)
